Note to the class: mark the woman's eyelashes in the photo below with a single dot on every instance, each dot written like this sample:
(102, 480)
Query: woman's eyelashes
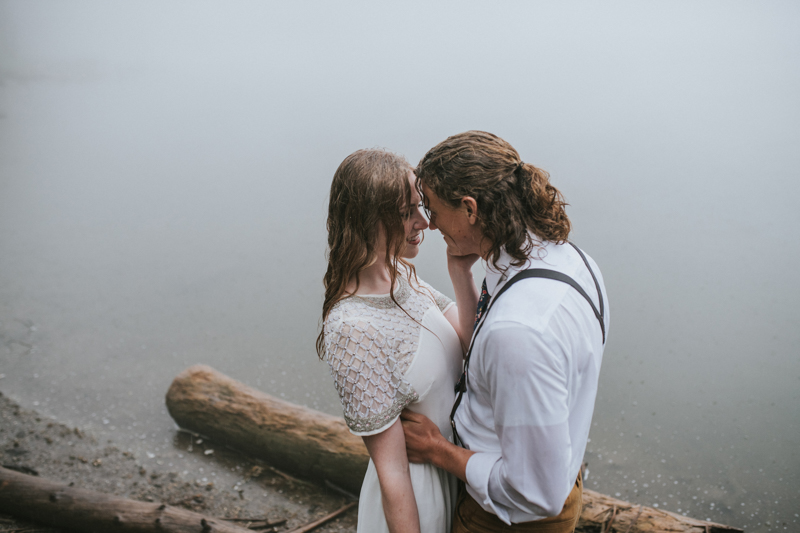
(406, 213)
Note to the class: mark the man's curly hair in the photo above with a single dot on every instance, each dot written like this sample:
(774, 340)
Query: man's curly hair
(513, 197)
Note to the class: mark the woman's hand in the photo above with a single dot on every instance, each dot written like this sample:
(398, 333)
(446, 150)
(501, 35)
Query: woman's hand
(388, 452)
(460, 263)
(462, 318)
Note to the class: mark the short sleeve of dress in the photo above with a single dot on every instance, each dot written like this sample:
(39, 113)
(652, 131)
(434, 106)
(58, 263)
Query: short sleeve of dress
(442, 301)
(366, 375)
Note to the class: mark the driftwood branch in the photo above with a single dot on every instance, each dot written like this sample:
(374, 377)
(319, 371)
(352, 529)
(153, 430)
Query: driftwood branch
(57, 504)
(327, 518)
(319, 446)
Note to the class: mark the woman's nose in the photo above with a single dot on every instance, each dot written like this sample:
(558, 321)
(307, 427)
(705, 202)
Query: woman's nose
(421, 222)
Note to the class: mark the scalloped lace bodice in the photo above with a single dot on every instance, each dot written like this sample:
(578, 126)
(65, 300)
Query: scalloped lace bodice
(370, 343)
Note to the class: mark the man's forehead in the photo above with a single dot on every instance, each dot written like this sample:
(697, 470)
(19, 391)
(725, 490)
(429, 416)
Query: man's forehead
(428, 195)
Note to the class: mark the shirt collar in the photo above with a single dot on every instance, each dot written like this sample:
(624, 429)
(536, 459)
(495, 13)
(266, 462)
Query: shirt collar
(497, 276)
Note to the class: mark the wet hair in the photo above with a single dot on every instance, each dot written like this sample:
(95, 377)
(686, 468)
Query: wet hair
(513, 197)
(369, 190)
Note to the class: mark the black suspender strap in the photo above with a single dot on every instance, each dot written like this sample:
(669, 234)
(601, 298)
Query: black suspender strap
(461, 386)
(601, 314)
(558, 276)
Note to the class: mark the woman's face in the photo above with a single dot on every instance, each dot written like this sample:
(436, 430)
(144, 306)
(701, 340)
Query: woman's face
(413, 224)
(414, 221)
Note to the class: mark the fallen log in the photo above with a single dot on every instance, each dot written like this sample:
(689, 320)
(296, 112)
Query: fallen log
(319, 446)
(301, 441)
(606, 514)
(56, 504)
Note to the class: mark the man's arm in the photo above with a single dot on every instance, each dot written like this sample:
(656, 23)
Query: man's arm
(524, 372)
(387, 450)
(529, 400)
(425, 444)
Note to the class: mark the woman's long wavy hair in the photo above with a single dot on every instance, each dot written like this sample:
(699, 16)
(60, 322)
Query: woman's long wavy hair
(369, 190)
(513, 197)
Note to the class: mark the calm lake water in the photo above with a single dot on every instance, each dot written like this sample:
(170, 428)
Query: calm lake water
(164, 170)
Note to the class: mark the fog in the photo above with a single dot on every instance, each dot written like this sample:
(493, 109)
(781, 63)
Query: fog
(164, 170)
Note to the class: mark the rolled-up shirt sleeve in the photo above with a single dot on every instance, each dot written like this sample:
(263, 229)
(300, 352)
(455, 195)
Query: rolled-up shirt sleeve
(526, 384)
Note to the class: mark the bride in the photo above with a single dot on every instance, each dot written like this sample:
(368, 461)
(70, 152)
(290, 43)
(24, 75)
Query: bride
(392, 341)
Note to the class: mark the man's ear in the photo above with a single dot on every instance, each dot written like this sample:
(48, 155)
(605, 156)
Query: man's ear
(471, 207)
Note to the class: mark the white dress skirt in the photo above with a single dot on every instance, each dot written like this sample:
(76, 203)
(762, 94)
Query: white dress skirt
(385, 358)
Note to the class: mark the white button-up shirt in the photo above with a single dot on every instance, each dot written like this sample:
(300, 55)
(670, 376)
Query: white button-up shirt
(531, 387)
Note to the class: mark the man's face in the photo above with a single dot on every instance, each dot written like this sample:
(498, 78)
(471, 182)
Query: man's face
(458, 225)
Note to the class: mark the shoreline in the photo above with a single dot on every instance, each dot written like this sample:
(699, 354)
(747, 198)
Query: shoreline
(221, 483)
(193, 472)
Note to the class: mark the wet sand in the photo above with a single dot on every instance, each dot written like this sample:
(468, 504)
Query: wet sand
(219, 483)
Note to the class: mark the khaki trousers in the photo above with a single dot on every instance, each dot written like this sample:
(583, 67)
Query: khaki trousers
(471, 518)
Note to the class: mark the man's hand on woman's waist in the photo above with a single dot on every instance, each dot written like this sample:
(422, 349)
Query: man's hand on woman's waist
(426, 444)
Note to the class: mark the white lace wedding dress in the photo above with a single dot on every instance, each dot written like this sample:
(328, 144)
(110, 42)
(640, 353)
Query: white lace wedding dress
(383, 360)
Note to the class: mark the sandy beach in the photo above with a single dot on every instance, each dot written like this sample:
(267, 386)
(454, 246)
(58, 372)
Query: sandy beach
(195, 474)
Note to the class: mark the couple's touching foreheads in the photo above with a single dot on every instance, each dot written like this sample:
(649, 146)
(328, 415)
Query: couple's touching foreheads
(475, 413)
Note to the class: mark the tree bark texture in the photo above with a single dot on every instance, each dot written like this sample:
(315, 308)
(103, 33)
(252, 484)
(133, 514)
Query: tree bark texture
(603, 513)
(60, 505)
(295, 439)
(314, 445)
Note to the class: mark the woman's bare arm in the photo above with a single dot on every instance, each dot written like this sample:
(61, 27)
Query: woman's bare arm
(388, 451)
(462, 316)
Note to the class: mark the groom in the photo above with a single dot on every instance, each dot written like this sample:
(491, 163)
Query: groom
(523, 410)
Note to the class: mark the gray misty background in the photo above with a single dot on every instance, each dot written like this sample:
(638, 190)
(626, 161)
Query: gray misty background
(164, 169)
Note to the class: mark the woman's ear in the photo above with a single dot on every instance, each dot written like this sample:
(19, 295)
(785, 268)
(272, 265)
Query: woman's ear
(471, 207)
